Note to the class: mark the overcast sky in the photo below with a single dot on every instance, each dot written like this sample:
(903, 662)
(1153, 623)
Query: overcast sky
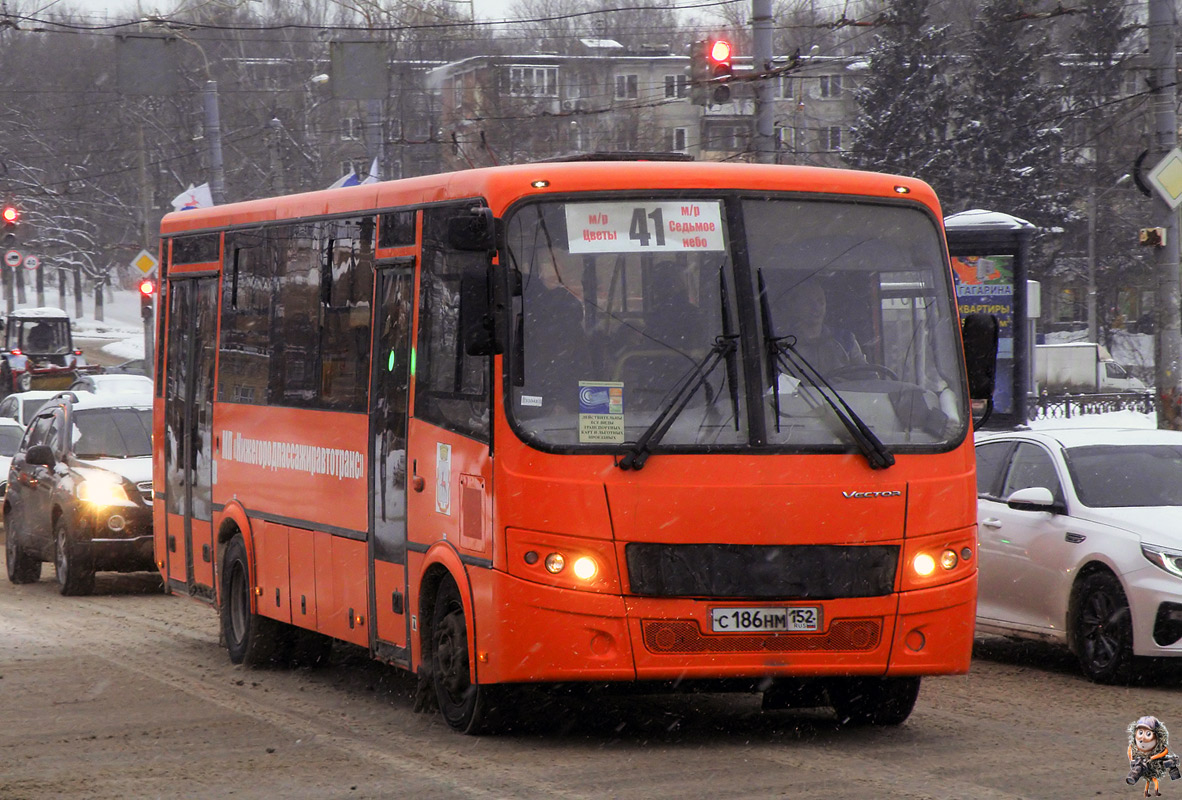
(485, 9)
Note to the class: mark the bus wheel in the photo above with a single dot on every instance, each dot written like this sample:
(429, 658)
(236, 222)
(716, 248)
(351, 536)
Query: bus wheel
(465, 705)
(250, 638)
(873, 701)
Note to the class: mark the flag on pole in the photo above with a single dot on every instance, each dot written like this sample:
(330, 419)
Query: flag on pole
(372, 177)
(353, 179)
(193, 197)
(348, 179)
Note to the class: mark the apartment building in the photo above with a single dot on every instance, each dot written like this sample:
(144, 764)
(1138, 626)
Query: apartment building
(498, 109)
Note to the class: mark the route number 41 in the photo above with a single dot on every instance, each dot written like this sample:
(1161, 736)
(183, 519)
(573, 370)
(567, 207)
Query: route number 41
(638, 231)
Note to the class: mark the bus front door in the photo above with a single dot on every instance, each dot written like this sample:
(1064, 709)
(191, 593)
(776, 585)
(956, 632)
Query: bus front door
(389, 400)
(188, 410)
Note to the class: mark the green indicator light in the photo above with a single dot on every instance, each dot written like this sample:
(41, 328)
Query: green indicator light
(413, 354)
(390, 362)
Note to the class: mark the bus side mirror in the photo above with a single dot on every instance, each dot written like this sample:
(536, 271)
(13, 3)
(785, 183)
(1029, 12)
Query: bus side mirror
(477, 318)
(979, 333)
(473, 231)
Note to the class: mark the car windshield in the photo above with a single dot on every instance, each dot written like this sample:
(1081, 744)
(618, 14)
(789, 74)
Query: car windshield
(45, 336)
(112, 432)
(10, 439)
(625, 307)
(1125, 476)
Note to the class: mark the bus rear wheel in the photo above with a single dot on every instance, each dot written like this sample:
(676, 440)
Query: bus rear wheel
(466, 707)
(873, 701)
(250, 639)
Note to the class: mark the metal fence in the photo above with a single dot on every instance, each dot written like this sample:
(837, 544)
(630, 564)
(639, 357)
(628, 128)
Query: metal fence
(1066, 406)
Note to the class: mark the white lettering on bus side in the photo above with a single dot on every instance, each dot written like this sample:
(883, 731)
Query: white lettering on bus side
(340, 464)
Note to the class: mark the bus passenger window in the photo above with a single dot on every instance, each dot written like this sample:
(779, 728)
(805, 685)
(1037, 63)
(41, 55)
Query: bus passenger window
(451, 387)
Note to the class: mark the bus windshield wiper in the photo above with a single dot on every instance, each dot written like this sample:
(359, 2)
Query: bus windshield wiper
(687, 385)
(782, 352)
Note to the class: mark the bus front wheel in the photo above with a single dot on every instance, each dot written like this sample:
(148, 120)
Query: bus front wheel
(250, 638)
(466, 707)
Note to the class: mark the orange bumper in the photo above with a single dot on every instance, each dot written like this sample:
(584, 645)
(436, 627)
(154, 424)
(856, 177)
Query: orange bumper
(563, 635)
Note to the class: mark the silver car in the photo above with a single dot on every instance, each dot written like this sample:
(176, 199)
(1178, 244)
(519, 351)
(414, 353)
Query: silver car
(1081, 543)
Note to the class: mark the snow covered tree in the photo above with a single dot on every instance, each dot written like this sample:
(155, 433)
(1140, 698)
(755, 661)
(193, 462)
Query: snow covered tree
(1006, 148)
(903, 99)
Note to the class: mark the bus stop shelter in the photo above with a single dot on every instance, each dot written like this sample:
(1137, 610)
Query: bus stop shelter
(990, 252)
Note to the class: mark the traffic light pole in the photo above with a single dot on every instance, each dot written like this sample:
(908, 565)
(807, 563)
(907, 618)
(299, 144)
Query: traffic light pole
(761, 58)
(1168, 366)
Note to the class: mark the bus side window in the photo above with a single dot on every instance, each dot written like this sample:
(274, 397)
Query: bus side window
(451, 387)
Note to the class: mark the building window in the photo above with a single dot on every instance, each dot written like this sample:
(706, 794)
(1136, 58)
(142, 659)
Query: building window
(1133, 83)
(727, 136)
(786, 87)
(627, 87)
(677, 140)
(676, 86)
(533, 81)
(830, 86)
(351, 129)
(830, 139)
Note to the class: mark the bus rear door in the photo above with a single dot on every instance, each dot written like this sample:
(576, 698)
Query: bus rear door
(389, 397)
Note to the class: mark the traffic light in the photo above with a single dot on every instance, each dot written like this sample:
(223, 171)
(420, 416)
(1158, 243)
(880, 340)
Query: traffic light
(147, 292)
(10, 215)
(710, 69)
(719, 56)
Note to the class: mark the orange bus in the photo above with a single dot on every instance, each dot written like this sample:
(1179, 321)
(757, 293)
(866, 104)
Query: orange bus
(651, 422)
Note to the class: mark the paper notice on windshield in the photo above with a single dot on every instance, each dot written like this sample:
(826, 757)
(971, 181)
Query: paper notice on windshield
(645, 226)
(601, 412)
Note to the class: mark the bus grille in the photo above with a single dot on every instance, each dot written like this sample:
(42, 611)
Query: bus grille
(683, 636)
(815, 572)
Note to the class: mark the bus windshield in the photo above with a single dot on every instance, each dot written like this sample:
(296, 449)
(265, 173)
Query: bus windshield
(630, 309)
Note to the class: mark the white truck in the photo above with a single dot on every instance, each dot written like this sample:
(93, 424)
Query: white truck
(1080, 367)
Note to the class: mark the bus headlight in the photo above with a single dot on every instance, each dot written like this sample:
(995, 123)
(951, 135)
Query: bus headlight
(563, 561)
(102, 491)
(585, 568)
(923, 564)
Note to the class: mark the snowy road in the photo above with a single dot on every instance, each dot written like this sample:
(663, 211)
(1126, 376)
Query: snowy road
(127, 694)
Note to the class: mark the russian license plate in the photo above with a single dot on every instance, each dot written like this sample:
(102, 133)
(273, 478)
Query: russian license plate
(789, 619)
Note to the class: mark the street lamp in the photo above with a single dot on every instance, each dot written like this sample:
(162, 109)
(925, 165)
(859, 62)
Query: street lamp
(1093, 199)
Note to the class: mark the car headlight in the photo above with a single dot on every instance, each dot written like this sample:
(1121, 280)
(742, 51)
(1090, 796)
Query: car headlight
(1169, 560)
(102, 491)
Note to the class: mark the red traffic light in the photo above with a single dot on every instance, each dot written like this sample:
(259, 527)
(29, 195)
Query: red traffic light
(11, 215)
(147, 287)
(720, 50)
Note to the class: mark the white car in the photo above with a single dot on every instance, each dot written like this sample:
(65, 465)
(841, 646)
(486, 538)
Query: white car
(1081, 542)
(23, 406)
(11, 433)
(115, 383)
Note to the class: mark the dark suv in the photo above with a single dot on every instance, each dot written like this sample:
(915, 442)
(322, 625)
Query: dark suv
(80, 491)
